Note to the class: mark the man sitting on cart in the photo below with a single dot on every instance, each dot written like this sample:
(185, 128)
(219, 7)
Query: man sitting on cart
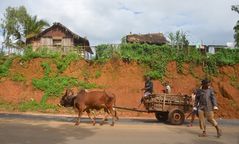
(148, 88)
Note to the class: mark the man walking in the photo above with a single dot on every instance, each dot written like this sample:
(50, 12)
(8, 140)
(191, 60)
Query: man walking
(206, 103)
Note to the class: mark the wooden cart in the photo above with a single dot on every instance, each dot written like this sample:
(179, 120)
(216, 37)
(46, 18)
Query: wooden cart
(167, 107)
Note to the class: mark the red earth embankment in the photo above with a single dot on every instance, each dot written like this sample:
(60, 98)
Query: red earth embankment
(126, 81)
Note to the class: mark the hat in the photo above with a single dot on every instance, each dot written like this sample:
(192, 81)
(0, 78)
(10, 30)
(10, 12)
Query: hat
(205, 81)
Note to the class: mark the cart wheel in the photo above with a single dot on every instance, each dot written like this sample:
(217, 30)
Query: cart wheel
(176, 117)
(161, 116)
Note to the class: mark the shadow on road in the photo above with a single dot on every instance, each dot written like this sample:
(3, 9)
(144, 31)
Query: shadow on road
(40, 134)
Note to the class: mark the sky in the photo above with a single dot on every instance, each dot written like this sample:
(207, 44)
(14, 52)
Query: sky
(107, 21)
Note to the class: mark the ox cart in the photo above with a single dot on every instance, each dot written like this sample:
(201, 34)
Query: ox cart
(167, 107)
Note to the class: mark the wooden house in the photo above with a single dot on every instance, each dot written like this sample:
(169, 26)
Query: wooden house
(60, 38)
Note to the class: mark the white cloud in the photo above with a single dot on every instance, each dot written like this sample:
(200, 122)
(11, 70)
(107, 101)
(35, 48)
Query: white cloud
(107, 21)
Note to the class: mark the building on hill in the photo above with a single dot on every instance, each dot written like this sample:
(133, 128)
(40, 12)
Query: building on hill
(153, 38)
(212, 49)
(60, 38)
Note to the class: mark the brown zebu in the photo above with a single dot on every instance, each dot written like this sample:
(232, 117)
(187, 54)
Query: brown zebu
(85, 101)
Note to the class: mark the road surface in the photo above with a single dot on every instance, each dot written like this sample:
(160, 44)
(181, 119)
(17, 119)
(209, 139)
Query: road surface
(28, 129)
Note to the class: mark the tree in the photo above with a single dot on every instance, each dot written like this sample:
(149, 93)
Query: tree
(179, 39)
(34, 26)
(172, 39)
(18, 25)
(236, 27)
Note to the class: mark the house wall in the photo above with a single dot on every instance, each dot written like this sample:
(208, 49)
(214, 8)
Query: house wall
(55, 39)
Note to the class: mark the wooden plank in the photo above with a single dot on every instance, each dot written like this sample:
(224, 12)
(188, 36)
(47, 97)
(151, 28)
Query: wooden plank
(130, 109)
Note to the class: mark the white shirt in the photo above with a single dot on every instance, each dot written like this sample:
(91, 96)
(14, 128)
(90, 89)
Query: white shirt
(168, 89)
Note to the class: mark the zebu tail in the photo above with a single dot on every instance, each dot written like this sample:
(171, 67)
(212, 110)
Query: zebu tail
(116, 116)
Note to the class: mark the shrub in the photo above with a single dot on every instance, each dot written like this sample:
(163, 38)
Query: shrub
(18, 77)
(4, 68)
(97, 74)
(43, 52)
(33, 105)
(46, 67)
(63, 63)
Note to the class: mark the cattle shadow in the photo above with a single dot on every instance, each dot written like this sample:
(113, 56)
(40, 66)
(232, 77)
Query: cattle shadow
(71, 119)
(19, 133)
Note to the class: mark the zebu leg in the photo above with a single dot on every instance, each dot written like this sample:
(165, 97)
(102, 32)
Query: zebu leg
(89, 115)
(105, 116)
(78, 109)
(113, 115)
(116, 116)
(78, 118)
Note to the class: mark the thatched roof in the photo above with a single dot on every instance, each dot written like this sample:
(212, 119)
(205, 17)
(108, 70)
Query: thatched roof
(77, 38)
(154, 38)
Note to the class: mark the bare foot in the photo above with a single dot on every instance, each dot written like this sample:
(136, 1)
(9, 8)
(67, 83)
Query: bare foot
(76, 124)
(219, 133)
(202, 134)
(190, 125)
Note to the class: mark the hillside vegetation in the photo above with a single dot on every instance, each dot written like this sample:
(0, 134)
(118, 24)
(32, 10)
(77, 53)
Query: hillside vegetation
(35, 81)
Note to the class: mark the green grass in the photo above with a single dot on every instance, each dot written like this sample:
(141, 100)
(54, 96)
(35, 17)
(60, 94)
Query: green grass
(97, 74)
(63, 62)
(6, 106)
(43, 52)
(4, 67)
(18, 77)
(157, 57)
(32, 105)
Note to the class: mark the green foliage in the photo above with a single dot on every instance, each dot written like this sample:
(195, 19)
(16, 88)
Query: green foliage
(154, 74)
(4, 68)
(30, 105)
(33, 105)
(18, 24)
(221, 58)
(211, 65)
(157, 57)
(18, 77)
(236, 27)
(153, 56)
(4, 105)
(227, 57)
(40, 53)
(53, 86)
(97, 74)
(180, 60)
(63, 63)
(47, 68)
(105, 52)
(179, 39)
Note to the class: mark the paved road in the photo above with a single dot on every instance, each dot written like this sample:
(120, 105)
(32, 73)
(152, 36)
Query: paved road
(29, 129)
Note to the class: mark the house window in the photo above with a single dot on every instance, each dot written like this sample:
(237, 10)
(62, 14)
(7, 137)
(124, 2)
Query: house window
(56, 42)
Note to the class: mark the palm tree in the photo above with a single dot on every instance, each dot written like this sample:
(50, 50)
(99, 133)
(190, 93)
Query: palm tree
(34, 26)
